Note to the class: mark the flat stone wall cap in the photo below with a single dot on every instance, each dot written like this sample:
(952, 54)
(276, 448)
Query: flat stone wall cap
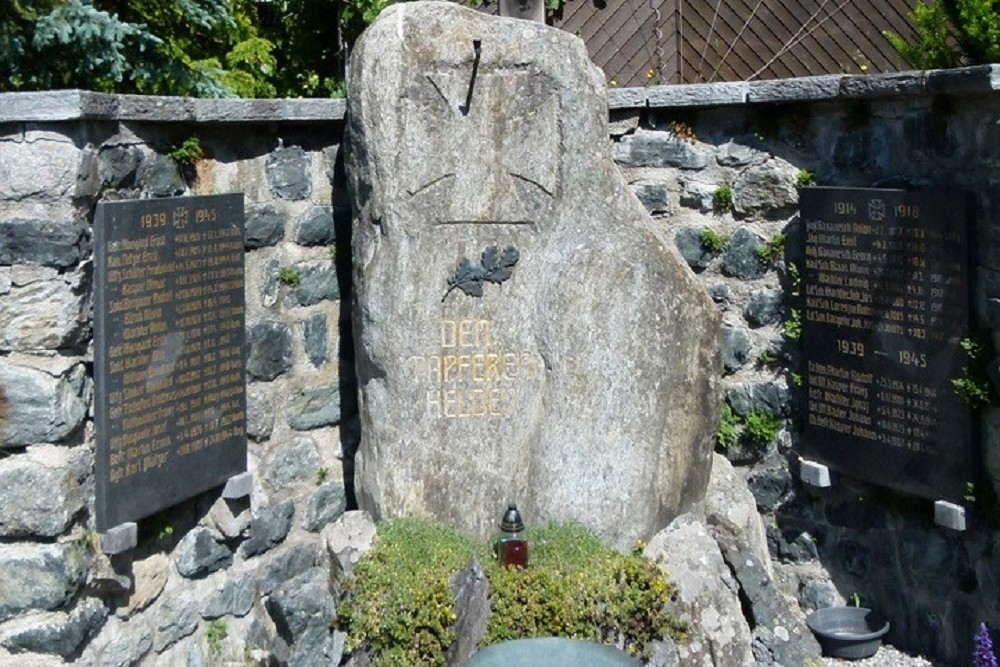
(626, 98)
(795, 90)
(153, 108)
(55, 105)
(285, 110)
(964, 80)
(882, 85)
(63, 105)
(698, 94)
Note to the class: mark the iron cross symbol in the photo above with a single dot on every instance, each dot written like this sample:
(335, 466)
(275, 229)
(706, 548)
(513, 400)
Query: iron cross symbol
(486, 145)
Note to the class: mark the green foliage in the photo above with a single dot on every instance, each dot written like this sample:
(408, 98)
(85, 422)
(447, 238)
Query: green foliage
(722, 198)
(332, 252)
(249, 67)
(856, 599)
(72, 44)
(797, 379)
(399, 605)
(187, 152)
(290, 276)
(974, 386)
(186, 155)
(795, 278)
(160, 527)
(713, 241)
(201, 48)
(215, 633)
(765, 358)
(760, 428)
(729, 428)
(579, 587)
(793, 325)
(984, 500)
(756, 429)
(952, 33)
(321, 475)
(773, 250)
(805, 178)
(356, 16)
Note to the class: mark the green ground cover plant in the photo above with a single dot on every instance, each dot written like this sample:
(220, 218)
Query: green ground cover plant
(722, 198)
(399, 604)
(713, 241)
(756, 429)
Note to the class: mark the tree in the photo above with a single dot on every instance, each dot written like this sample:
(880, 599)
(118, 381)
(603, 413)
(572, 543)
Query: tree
(952, 33)
(202, 48)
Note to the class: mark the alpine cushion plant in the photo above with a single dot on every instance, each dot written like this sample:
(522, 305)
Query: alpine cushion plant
(984, 655)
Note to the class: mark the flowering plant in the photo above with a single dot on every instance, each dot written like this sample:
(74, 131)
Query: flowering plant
(984, 655)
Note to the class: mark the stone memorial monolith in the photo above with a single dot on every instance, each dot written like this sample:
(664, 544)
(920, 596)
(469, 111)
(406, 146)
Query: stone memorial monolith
(522, 330)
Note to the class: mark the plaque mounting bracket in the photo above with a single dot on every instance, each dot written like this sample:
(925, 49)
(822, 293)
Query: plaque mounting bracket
(950, 515)
(814, 474)
(120, 538)
(238, 486)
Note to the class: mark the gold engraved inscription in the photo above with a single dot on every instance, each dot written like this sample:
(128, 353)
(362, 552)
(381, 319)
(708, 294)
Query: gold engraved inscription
(470, 377)
(871, 280)
(174, 357)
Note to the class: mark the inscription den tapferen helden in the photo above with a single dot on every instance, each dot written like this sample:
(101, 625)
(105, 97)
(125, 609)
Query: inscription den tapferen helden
(884, 293)
(173, 322)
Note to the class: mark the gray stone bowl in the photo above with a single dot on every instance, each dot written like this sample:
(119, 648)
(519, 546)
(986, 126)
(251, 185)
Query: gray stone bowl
(551, 652)
(852, 633)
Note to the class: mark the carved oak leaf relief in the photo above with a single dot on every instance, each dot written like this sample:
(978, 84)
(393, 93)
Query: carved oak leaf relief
(495, 266)
(495, 161)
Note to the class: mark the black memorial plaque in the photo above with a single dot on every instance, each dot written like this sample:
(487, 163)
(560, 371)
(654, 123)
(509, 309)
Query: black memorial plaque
(885, 285)
(169, 351)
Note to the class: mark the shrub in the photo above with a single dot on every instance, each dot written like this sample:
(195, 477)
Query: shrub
(399, 601)
(579, 587)
(399, 604)
(951, 33)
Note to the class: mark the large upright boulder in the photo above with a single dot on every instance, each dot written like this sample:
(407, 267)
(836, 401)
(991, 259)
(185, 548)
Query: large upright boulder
(522, 331)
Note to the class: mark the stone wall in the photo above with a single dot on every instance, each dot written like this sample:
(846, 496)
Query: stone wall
(194, 589)
(215, 580)
(913, 130)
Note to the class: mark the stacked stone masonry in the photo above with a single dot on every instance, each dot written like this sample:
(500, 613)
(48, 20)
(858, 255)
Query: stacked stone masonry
(215, 580)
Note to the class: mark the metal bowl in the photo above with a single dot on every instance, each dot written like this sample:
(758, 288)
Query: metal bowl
(848, 632)
(551, 652)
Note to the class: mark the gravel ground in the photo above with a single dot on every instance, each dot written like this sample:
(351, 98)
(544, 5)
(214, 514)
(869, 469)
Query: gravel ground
(887, 656)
